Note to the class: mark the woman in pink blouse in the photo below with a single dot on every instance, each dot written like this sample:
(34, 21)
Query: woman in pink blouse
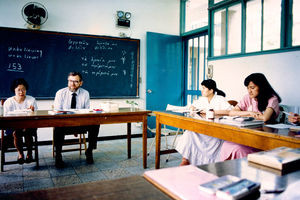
(262, 103)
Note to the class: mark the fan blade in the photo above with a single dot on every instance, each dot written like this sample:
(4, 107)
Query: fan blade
(28, 11)
(41, 12)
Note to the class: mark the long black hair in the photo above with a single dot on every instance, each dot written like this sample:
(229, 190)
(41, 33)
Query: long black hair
(211, 84)
(265, 89)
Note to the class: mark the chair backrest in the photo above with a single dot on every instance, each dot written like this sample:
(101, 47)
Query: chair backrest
(282, 116)
(232, 102)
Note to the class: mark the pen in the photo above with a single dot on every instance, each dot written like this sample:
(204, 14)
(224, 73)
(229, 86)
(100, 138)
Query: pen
(279, 190)
(287, 113)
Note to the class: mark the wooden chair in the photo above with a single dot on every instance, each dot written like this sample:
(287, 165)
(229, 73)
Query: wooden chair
(81, 141)
(232, 102)
(166, 132)
(7, 146)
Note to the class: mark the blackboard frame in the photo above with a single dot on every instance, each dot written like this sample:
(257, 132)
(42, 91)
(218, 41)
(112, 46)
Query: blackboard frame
(135, 74)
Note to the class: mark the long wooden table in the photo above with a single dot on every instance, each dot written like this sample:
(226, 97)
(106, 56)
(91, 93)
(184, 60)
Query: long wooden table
(134, 187)
(264, 138)
(41, 118)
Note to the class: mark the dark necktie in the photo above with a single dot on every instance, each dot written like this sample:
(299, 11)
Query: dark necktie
(73, 101)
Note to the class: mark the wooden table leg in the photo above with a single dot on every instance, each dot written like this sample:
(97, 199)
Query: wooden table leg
(145, 142)
(129, 140)
(158, 140)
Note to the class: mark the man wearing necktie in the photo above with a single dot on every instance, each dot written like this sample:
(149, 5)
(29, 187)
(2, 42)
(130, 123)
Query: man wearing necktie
(73, 97)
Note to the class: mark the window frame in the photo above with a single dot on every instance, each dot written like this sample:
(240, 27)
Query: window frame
(185, 39)
(285, 29)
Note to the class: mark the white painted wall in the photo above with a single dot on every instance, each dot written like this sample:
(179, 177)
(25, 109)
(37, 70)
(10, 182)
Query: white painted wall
(281, 69)
(99, 17)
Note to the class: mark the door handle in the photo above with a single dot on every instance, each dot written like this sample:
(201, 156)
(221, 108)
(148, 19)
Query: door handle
(149, 91)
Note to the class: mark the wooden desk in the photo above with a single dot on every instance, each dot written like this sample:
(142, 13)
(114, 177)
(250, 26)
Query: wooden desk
(268, 178)
(174, 181)
(262, 138)
(41, 118)
(134, 187)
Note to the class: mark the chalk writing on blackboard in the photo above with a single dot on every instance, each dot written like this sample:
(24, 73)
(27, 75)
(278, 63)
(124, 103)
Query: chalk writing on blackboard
(77, 44)
(17, 54)
(109, 65)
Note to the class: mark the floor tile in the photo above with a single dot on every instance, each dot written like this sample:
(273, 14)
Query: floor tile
(66, 180)
(110, 162)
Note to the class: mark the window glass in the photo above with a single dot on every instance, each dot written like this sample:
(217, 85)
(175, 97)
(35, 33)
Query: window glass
(195, 63)
(217, 1)
(219, 32)
(271, 24)
(296, 23)
(196, 14)
(202, 59)
(253, 26)
(189, 71)
(234, 29)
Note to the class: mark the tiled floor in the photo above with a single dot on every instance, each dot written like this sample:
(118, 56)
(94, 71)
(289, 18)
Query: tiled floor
(110, 163)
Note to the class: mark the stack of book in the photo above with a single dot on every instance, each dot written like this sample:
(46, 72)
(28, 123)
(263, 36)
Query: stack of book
(231, 187)
(284, 159)
(240, 121)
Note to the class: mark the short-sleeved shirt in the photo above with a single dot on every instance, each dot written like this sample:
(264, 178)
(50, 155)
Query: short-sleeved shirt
(63, 99)
(11, 104)
(217, 103)
(251, 104)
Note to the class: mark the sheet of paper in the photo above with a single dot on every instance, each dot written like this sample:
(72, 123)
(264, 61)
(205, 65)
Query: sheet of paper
(279, 126)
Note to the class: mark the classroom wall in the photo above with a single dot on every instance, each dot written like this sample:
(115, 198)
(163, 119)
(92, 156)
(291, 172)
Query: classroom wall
(99, 17)
(281, 69)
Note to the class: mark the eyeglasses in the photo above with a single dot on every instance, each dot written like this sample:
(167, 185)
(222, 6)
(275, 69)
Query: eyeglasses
(20, 90)
(75, 82)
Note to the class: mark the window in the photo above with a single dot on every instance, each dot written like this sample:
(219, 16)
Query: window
(296, 23)
(253, 24)
(196, 62)
(227, 30)
(247, 26)
(220, 32)
(234, 29)
(271, 24)
(196, 14)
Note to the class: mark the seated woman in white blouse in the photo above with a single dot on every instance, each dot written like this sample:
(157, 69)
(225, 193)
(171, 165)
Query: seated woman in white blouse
(21, 101)
(197, 148)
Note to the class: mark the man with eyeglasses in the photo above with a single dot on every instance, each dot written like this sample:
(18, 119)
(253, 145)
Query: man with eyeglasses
(73, 97)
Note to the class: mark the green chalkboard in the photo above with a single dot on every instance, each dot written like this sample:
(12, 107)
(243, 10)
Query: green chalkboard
(109, 65)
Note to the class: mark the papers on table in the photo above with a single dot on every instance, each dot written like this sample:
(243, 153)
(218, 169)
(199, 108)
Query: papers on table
(279, 126)
(179, 109)
(17, 112)
(74, 111)
(284, 126)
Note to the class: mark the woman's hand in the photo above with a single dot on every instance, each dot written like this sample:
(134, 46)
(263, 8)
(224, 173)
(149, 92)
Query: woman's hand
(192, 108)
(31, 108)
(257, 115)
(294, 118)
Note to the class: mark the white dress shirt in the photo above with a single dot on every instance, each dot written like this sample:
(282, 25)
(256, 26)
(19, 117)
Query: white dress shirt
(63, 99)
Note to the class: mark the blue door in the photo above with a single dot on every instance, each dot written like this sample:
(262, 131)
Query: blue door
(164, 72)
